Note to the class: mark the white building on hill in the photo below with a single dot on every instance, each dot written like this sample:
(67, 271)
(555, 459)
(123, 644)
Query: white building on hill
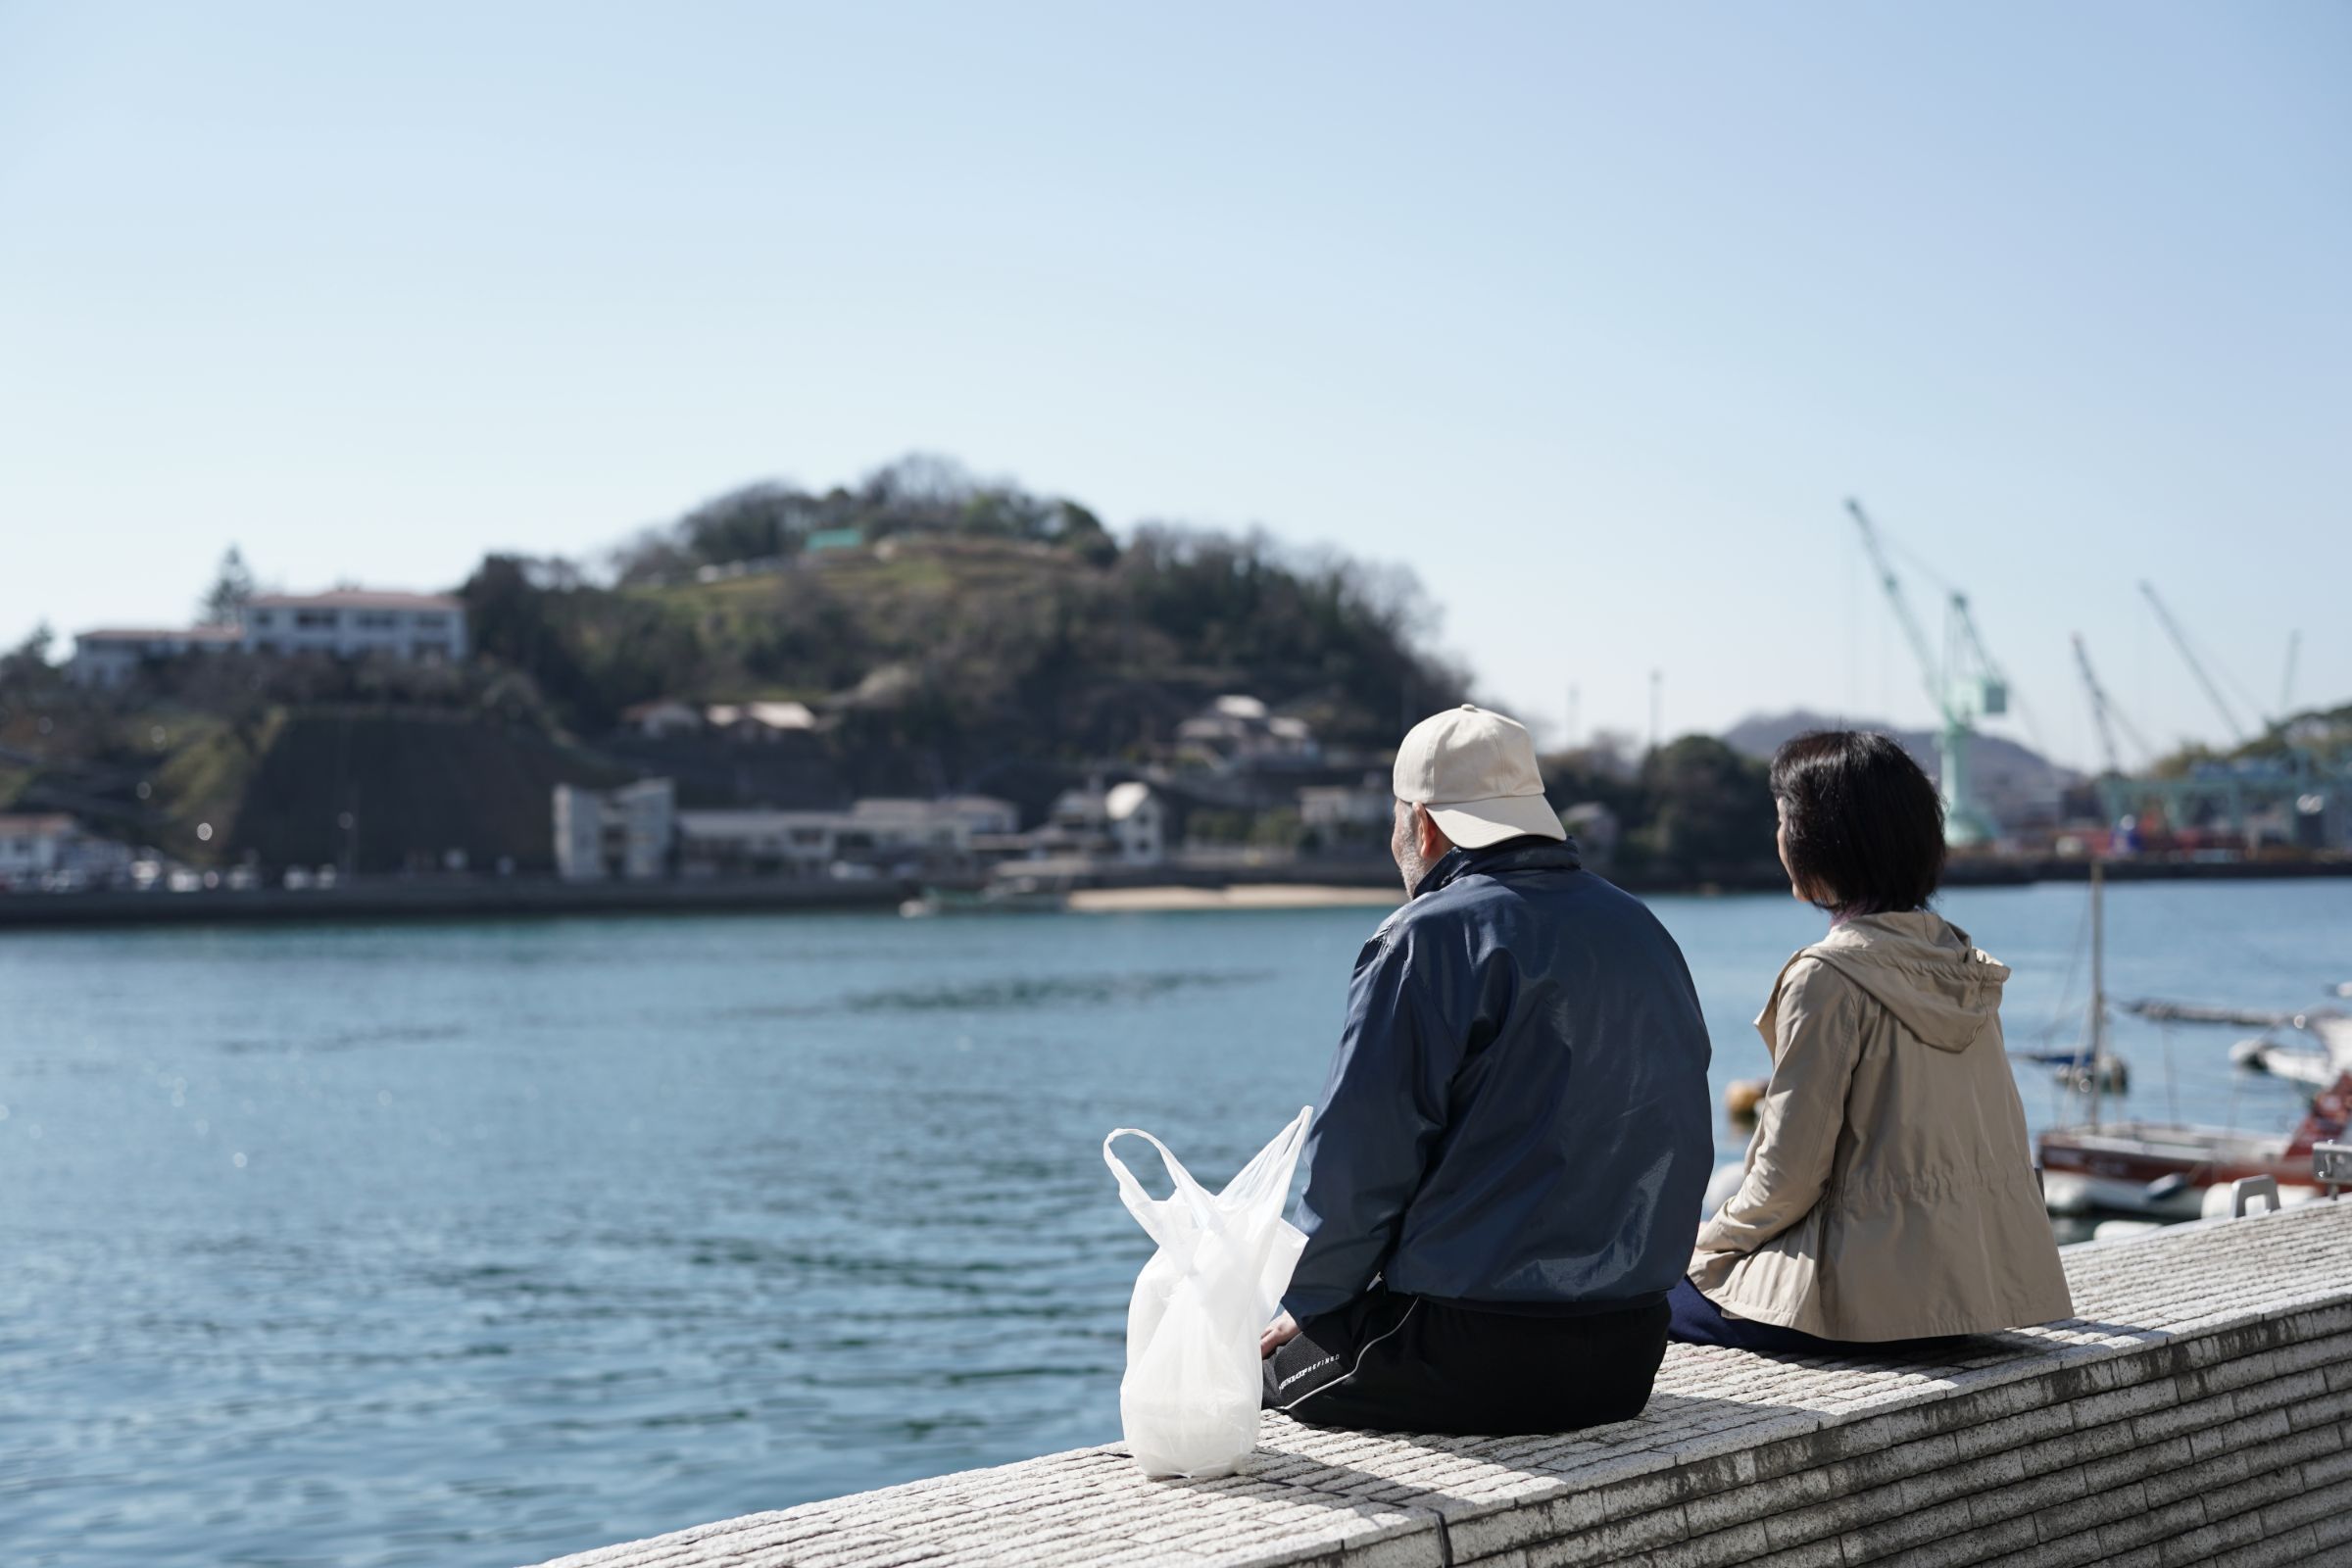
(1238, 729)
(417, 628)
(346, 622)
(111, 655)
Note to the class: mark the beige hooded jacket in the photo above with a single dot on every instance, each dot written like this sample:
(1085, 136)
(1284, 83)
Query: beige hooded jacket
(1890, 1192)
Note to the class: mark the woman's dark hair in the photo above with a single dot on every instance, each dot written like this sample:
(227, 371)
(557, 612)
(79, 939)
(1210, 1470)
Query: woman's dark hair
(1864, 826)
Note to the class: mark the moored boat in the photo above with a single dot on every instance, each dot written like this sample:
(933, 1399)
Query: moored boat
(2164, 1170)
(2168, 1170)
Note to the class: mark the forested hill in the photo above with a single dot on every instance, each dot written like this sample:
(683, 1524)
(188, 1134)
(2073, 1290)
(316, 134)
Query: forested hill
(970, 622)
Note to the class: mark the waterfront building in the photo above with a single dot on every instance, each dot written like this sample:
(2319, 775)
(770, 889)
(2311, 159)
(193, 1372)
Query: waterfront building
(111, 655)
(1077, 825)
(623, 833)
(1132, 822)
(751, 842)
(51, 850)
(348, 622)
(983, 815)
(883, 834)
(1138, 822)
(949, 822)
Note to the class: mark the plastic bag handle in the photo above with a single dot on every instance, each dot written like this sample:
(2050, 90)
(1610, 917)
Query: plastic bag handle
(1281, 1156)
(1139, 1200)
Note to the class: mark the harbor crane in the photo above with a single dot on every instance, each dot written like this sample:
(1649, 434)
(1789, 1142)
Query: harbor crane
(2106, 715)
(2197, 665)
(2286, 685)
(1964, 686)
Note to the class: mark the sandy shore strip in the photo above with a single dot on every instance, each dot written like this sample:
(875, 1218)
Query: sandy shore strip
(1247, 896)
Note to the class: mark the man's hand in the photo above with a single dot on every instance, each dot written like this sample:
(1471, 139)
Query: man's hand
(1279, 1333)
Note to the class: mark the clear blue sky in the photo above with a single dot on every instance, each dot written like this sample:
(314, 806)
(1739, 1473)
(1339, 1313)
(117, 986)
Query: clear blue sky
(1592, 315)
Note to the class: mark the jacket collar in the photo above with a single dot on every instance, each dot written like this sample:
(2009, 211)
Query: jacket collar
(1529, 854)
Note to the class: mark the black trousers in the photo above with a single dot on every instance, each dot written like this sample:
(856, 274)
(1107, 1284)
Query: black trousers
(1408, 1363)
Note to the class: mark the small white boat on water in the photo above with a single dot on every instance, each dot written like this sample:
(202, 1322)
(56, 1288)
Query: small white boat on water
(2317, 1065)
(2295, 1063)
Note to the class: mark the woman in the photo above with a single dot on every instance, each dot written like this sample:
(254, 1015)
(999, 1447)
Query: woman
(1889, 1194)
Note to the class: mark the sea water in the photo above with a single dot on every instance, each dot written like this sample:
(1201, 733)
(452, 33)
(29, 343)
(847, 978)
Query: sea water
(482, 1243)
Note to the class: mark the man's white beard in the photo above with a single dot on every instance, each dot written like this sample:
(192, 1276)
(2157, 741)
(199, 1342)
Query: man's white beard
(1414, 867)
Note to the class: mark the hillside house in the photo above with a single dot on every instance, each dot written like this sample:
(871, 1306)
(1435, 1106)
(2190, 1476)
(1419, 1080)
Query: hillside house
(1239, 730)
(759, 721)
(352, 622)
(111, 655)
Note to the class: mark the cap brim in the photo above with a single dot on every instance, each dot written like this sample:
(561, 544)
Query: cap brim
(1475, 824)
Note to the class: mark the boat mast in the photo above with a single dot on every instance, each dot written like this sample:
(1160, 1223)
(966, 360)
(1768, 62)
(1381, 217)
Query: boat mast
(2098, 984)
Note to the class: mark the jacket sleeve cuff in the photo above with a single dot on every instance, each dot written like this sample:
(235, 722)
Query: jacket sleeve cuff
(1304, 1304)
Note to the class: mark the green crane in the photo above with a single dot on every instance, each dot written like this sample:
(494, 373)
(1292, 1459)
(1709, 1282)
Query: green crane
(1964, 686)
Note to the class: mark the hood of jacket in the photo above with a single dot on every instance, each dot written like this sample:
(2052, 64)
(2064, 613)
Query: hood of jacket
(1923, 969)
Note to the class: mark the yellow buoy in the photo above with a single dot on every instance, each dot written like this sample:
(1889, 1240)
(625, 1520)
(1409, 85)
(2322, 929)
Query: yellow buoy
(1740, 1095)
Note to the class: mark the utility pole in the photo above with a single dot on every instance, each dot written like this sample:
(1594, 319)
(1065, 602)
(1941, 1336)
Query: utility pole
(1657, 681)
(2098, 981)
(1573, 715)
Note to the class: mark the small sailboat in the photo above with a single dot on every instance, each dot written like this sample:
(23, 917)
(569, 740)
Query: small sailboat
(2295, 1063)
(2163, 1170)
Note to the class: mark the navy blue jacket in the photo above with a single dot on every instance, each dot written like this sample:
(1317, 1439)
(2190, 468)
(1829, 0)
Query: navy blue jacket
(1517, 1118)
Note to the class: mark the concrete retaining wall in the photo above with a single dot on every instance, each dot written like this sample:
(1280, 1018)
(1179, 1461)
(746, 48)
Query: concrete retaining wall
(2198, 1412)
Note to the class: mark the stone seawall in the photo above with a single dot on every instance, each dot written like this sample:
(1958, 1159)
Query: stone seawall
(2199, 1410)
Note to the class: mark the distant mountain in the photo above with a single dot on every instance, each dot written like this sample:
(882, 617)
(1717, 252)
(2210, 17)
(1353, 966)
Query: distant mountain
(2018, 785)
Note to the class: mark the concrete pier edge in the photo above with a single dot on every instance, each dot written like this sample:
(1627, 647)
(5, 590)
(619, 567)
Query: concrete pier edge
(2197, 1410)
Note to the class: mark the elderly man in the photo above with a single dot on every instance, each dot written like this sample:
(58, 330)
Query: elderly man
(1507, 1169)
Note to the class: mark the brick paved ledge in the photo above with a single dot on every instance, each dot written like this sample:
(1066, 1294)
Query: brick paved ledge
(2198, 1412)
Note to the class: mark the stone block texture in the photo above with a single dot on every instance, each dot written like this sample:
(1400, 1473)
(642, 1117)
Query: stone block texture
(2199, 1410)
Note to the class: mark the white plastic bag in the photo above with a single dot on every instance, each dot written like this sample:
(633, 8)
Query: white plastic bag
(1189, 1403)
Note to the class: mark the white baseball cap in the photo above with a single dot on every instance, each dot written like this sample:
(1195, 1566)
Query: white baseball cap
(1476, 774)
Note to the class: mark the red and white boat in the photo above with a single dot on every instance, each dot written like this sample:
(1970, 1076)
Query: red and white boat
(2163, 1169)
(2166, 1170)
